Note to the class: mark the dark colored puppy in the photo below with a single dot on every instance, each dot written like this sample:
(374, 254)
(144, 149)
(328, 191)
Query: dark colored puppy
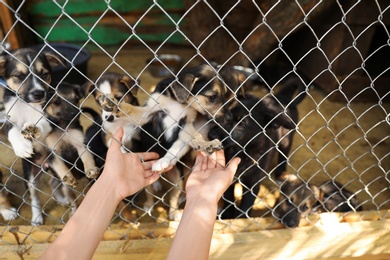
(96, 137)
(337, 198)
(297, 199)
(257, 127)
(28, 77)
(67, 140)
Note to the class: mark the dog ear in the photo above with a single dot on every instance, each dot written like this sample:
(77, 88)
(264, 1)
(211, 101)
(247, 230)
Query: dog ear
(274, 113)
(79, 91)
(54, 59)
(130, 84)
(183, 88)
(87, 87)
(318, 193)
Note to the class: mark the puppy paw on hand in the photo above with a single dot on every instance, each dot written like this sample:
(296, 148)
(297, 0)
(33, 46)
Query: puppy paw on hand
(162, 165)
(206, 146)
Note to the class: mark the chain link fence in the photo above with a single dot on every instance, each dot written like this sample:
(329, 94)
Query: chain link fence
(335, 157)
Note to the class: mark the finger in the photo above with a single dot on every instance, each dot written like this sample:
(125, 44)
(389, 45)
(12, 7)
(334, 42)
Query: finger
(233, 165)
(220, 157)
(212, 160)
(198, 161)
(151, 177)
(116, 141)
(148, 156)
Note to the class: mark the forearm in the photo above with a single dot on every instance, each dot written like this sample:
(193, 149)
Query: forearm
(83, 232)
(193, 237)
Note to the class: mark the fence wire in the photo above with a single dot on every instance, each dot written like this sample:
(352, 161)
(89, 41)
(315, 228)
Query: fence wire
(339, 157)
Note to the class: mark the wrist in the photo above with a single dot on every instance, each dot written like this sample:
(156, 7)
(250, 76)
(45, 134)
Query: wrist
(202, 202)
(107, 186)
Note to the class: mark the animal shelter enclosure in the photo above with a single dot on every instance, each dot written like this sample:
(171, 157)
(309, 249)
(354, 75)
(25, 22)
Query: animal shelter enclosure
(317, 182)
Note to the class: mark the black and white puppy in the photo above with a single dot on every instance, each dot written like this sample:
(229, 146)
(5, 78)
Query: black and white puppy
(257, 128)
(122, 88)
(28, 77)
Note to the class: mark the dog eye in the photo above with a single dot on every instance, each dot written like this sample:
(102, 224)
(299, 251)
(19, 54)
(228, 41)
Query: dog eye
(46, 75)
(19, 76)
(57, 102)
(303, 208)
(212, 97)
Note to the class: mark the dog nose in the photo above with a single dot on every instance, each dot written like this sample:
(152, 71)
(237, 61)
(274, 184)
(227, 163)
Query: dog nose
(38, 95)
(110, 118)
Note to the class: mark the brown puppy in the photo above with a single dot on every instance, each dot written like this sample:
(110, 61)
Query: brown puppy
(298, 199)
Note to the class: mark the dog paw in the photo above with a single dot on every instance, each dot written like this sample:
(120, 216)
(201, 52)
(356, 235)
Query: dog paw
(23, 148)
(214, 145)
(148, 207)
(175, 214)
(9, 214)
(92, 173)
(30, 132)
(37, 217)
(157, 186)
(162, 165)
(70, 181)
(206, 146)
(108, 103)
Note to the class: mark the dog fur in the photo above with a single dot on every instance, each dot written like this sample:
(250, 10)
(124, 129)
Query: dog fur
(66, 154)
(170, 121)
(257, 127)
(297, 199)
(6, 210)
(28, 77)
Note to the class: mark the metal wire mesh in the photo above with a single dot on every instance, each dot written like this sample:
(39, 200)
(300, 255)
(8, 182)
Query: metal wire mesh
(344, 142)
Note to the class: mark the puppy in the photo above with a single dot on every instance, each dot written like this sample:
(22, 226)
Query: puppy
(257, 128)
(297, 199)
(67, 140)
(6, 210)
(28, 77)
(173, 118)
(69, 159)
(114, 86)
(66, 153)
(176, 115)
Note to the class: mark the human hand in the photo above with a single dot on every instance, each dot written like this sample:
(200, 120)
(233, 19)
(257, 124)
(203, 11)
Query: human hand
(210, 178)
(128, 172)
